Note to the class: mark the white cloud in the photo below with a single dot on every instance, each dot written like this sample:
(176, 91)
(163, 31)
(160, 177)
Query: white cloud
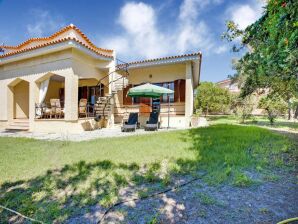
(137, 18)
(44, 23)
(246, 14)
(190, 9)
(141, 36)
(221, 49)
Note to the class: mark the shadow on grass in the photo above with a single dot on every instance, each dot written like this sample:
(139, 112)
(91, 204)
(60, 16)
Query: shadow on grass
(68, 191)
(71, 191)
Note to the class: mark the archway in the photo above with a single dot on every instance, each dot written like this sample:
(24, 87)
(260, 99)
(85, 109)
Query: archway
(50, 102)
(20, 106)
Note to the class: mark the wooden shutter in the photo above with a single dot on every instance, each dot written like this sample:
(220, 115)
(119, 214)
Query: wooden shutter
(182, 90)
(176, 89)
(127, 100)
(84, 92)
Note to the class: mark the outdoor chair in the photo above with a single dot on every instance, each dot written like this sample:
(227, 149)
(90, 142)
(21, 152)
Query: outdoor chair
(152, 124)
(56, 109)
(131, 124)
(83, 107)
(45, 111)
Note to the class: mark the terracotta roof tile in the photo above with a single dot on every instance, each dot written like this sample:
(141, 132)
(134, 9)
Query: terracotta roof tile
(50, 38)
(52, 43)
(160, 59)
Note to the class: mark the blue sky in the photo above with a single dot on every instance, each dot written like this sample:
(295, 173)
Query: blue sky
(137, 29)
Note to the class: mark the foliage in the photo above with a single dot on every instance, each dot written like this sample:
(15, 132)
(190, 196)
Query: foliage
(271, 44)
(274, 106)
(244, 108)
(212, 98)
(242, 180)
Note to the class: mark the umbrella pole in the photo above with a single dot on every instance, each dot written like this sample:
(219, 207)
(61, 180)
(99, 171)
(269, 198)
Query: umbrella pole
(168, 111)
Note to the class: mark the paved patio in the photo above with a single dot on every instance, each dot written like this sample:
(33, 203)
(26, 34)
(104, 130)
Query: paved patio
(87, 135)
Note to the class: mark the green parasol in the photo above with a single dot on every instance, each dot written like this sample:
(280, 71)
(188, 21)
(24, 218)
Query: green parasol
(151, 91)
(148, 90)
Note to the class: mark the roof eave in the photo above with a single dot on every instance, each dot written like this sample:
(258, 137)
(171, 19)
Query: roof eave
(162, 61)
(50, 49)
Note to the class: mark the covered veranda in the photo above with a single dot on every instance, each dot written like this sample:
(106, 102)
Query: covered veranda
(51, 102)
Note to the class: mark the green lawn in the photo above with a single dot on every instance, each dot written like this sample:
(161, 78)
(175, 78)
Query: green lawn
(261, 121)
(55, 180)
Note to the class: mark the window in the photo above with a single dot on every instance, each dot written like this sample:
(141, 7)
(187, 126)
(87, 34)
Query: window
(166, 97)
(178, 86)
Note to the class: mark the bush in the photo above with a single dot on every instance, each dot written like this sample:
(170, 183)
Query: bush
(274, 105)
(211, 98)
(244, 108)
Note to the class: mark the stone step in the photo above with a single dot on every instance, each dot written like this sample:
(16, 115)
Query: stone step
(102, 108)
(103, 105)
(9, 128)
(18, 124)
(98, 110)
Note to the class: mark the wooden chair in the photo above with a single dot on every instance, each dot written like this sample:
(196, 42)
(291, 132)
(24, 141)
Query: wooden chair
(45, 111)
(83, 107)
(56, 109)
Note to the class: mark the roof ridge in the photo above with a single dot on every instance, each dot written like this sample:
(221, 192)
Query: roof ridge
(54, 42)
(64, 29)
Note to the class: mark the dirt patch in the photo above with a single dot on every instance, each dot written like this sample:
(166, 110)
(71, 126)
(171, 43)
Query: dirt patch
(198, 202)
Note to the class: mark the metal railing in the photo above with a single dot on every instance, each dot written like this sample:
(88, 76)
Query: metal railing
(43, 111)
(55, 112)
(124, 68)
(172, 109)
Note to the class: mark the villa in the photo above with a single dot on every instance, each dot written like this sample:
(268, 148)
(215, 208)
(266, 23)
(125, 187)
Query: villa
(61, 83)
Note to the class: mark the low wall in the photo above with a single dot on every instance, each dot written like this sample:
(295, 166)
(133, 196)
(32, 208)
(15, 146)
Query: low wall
(176, 121)
(3, 124)
(62, 126)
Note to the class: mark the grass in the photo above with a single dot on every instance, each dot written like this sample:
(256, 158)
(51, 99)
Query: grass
(261, 121)
(52, 181)
(26, 158)
(206, 199)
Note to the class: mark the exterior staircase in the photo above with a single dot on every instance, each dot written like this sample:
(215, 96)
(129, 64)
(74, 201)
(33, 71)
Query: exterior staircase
(104, 104)
(18, 125)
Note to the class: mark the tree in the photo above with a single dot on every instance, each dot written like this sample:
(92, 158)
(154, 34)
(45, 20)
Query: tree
(271, 45)
(244, 107)
(274, 106)
(211, 98)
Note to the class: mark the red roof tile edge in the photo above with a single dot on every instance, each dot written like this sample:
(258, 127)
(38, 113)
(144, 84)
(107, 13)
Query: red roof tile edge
(52, 43)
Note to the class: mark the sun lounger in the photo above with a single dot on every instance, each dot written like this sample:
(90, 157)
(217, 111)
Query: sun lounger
(152, 124)
(131, 124)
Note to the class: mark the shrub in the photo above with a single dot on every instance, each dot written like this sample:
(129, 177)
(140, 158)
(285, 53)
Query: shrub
(274, 105)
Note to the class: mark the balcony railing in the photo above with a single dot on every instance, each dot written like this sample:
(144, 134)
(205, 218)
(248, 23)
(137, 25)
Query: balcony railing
(44, 111)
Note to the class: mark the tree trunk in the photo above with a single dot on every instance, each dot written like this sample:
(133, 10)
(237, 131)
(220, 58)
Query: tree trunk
(296, 112)
(289, 109)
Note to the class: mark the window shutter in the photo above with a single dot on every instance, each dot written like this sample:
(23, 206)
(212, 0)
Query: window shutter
(182, 90)
(127, 100)
(176, 89)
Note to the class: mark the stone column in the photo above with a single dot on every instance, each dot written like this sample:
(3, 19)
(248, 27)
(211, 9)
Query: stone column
(33, 98)
(8, 114)
(189, 101)
(112, 68)
(71, 97)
